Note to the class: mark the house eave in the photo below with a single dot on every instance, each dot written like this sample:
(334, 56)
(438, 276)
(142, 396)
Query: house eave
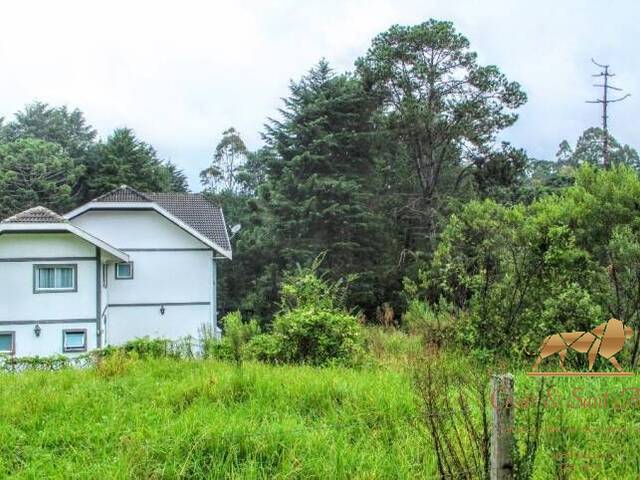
(149, 206)
(63, 228)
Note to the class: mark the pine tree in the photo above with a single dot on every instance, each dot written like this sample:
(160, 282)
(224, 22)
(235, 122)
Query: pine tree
(125, 160)
(317, 196)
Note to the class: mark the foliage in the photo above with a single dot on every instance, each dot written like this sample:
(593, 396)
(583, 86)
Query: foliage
(237, 334)
(10, 363)
(445, 107)
(317, 194)
(66, 128)
(50, 156)
(228, 162)
(566, 262)
(589, 151)
(35, 172)
(125, 160)
(436, 324)
(312, 326)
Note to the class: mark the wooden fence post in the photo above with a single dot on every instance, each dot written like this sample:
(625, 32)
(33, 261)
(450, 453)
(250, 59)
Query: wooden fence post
(502, 437)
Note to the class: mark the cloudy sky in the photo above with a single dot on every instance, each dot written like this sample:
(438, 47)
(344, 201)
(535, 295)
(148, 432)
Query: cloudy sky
(179, 73)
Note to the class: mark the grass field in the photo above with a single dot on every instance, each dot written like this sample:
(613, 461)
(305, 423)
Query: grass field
(200, 419)
(206, 419)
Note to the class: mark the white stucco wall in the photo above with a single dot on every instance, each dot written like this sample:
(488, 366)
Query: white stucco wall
(50, 340)
(21, 309)
(135, 229)
(126, 323)
(171, 269)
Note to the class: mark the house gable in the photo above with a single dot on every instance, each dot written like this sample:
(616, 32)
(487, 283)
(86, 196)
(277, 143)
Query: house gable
(137, 229)
(191, 212)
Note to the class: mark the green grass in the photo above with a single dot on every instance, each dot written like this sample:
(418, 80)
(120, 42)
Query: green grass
(596, 419)
(202, 419)
(206, 419)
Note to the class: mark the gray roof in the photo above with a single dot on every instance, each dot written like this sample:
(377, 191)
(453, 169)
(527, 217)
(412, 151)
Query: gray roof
(36, 215)
(192, 208)
(122, 194)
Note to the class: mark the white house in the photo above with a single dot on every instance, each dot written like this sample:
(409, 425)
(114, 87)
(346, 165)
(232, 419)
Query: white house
(125, 265)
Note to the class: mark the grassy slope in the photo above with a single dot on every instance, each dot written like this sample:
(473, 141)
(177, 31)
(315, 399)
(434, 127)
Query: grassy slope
(190, 419)
(168, 419)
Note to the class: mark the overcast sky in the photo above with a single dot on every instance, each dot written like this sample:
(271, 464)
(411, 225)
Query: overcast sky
(181, 72)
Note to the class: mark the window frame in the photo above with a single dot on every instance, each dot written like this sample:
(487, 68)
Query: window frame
(38, 290)
(116, 271)
(13, 342)
(66, 349)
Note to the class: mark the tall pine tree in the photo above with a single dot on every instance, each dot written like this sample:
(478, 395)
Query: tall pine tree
(317, 196)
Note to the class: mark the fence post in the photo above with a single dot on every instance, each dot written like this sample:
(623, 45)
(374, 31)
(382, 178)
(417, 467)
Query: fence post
(502, 442)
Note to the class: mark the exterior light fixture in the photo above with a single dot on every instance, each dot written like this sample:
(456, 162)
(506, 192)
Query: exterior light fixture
(162, 310)
(37, 330)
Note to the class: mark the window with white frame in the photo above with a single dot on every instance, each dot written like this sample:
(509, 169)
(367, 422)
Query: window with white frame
(7, 342)
(55, 278)
(74, 340)
(124, 271)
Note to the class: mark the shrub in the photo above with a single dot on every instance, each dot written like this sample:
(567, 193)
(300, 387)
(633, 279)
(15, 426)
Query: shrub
(434, 323)
(265, 348)
(313, 326)
(148, 347)
(318, 336)
(236, 336)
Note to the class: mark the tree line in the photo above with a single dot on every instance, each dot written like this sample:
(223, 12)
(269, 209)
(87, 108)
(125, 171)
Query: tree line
(51, 156)
(367, 169)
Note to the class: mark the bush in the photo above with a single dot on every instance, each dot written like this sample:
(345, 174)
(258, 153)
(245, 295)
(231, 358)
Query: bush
(318, 336)
(147, 347)
(236, 336)
(265, 348)
(312, 327)
(434, 323)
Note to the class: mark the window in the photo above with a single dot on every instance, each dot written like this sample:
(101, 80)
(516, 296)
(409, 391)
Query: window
(55, 278)
(7, 342)
(124, 271)
(74, 340)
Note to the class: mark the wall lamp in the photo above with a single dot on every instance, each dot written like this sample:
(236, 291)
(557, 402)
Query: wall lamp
(162, 310)
(37, 330)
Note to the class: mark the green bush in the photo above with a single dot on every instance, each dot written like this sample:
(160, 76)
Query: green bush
(236, 336)
(312, 327)
(566, 262)
(434, 323)
(265, 348)
(318, 336)
(148, 347)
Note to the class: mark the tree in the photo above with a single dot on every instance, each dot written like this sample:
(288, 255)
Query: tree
(67, 128)
(125, 160)
(35, 172)
(178, 179)
(445, 107)
(317, 195)
(228, 159)
(588, 151)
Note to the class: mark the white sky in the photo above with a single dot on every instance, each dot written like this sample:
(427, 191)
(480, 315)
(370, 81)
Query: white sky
(179, 73)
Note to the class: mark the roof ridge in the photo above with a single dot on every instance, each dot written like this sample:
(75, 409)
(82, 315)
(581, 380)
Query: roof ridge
(42, 212)
(123, 188)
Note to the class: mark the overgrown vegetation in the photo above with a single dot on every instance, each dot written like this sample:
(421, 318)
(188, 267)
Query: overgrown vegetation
(146, 417)
(312, 326)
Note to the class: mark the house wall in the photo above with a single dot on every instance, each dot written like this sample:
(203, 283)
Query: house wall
(126, 229)
(21, 309)
(171, 269)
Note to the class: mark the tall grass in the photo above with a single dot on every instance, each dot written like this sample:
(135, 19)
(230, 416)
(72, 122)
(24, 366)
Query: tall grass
(163, 418)
(171, 418)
